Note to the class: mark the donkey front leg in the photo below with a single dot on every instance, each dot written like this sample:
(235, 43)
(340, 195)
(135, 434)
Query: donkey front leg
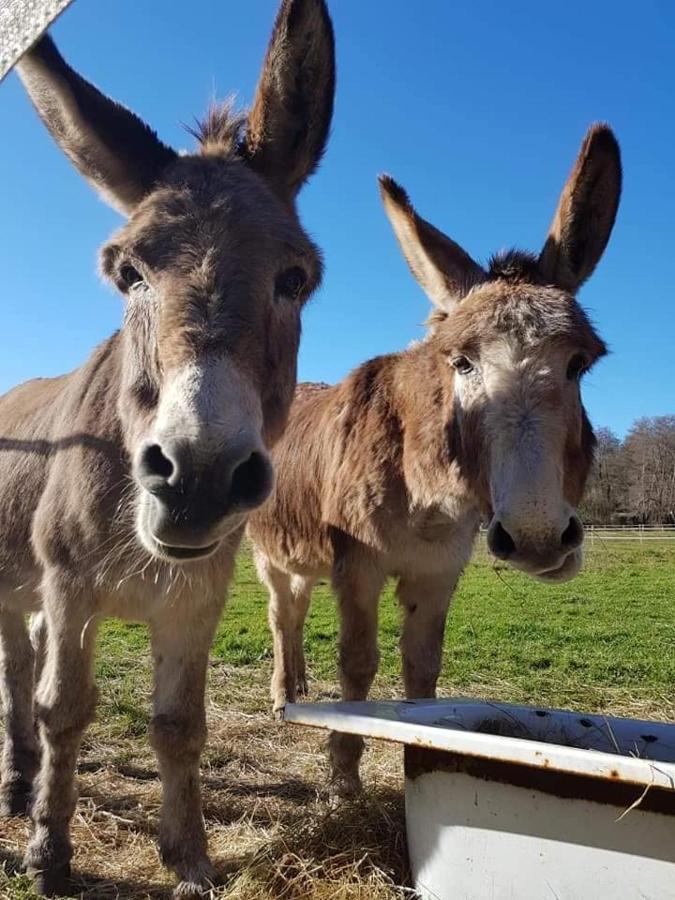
(20, 756)
(38, 640)
(288, 604)
(302, 591)
(425, 601)
(180, 648)
(65, 703)
(358, 583)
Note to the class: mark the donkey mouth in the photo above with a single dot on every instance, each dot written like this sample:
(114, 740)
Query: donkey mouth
(183, 554)
(189, 552)
(172, 545)
(568, 568)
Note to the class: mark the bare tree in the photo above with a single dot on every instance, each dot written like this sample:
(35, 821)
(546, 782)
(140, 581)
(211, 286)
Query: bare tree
(650, 456)
(606, 496)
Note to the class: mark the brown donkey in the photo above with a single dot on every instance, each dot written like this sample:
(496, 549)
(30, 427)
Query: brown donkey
(124, 486)
(389, 472)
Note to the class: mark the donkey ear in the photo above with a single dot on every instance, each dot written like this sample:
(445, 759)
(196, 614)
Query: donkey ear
(109, 145)
(444, 271)
(288, 124)
(586, 211)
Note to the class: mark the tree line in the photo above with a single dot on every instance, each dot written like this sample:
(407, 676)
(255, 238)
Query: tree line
(633, 481)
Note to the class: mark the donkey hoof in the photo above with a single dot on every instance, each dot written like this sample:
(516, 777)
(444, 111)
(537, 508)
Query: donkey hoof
(302, 687)
(51, 882)
(15, 798)
(198, 884)
(189, 890)
(344, 786)
(279, 702)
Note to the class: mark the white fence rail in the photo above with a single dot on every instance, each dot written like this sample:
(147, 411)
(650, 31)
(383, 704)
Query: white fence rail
(642, 534)
(634, 533)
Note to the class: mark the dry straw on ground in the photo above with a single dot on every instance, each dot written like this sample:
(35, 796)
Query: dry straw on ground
(272, 833)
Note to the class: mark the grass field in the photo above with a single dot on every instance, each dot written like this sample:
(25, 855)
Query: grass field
(604, 642)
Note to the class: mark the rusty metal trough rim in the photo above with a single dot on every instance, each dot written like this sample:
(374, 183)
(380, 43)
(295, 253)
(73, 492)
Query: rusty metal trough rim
(389, 720)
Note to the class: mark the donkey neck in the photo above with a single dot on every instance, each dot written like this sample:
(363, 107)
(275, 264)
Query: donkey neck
(432, 442)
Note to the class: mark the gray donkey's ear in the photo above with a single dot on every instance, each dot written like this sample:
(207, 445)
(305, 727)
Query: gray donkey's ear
(288, 125)
(114, 149)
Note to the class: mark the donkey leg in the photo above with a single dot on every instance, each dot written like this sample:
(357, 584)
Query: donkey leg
(302, 593)
(20, 756)
(65, 703)
(180, 648)
(38, 639)
(283, 622)
(358, 587)
(425, 602)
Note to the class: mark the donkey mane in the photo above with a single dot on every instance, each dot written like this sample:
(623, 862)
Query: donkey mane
(221, 131)
(516, 267)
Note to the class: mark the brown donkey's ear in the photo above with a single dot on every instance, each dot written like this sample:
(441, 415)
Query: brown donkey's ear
(586, 211)
(107, 143)
(288, 124)
(444, 271)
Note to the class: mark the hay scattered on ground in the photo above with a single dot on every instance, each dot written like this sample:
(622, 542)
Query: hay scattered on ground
(272, 832)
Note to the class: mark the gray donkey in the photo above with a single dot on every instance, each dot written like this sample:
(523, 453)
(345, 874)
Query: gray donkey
(125, 485)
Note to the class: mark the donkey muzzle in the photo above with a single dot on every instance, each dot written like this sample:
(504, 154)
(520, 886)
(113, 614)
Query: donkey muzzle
(191, 501)
(551, 554)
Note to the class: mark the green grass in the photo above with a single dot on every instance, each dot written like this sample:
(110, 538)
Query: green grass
(603, 641)
(18, 887)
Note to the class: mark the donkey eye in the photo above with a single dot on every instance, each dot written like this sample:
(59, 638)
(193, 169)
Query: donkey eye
(462, 365)
(129, 276)
(290, 283)
(576, 367)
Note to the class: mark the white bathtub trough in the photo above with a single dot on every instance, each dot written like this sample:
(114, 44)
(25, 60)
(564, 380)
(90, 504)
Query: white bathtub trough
(525, 803)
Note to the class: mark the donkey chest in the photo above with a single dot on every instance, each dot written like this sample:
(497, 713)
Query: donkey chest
(431, 541)
(162, 590)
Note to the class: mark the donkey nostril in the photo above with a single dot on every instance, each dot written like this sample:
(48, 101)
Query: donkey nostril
(251, 481)
(500, 541)
(155, 463)
(573, 535)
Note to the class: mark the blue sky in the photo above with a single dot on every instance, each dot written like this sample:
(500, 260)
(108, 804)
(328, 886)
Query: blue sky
(478, 108)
